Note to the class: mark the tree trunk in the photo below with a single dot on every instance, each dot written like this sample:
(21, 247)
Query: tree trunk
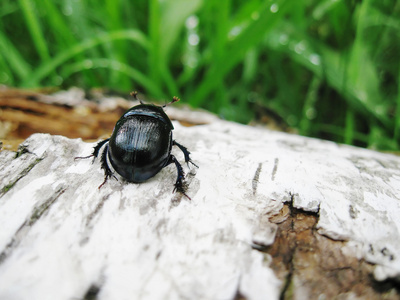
(271, 215)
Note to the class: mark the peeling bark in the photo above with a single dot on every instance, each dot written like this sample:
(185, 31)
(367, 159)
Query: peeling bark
(314, 266)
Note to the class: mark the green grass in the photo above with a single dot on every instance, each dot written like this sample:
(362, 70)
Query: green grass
(329, 68)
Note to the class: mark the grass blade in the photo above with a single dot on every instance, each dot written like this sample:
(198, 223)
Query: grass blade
(116, 65)
(14, 59)
(35, 29)
(237, 49)
(45, 69)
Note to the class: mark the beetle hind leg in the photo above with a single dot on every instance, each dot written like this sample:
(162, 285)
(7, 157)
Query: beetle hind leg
(104, 165)
(185, 152)
(180, 184)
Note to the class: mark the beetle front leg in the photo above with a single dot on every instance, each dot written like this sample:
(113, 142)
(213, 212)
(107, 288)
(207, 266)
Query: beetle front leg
(180, 185)
(95, 152)
(185, 152)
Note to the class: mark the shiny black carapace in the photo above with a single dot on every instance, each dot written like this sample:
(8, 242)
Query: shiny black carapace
(140, 146)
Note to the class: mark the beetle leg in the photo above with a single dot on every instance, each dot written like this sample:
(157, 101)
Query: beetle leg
(185, 152)
(95, 152)
(104, 165)
(98, 146)
(180, 186)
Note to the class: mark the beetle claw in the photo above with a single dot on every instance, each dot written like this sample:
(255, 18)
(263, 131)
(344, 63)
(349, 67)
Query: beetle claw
(181, 188)
(105, 180)
(83, 157)
(100, 186)
(190, 161)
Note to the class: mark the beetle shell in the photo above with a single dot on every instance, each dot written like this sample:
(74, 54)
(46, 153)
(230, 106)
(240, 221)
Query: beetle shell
(140, 146)
(141, 143)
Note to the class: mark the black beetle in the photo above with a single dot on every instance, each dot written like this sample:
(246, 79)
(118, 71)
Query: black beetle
(140, 146)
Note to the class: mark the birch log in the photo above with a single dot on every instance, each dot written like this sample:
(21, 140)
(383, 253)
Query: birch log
(272, 216)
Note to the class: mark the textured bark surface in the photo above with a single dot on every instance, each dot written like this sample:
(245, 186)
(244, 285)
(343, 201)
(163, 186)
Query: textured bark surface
(272, 216)
(311, 265)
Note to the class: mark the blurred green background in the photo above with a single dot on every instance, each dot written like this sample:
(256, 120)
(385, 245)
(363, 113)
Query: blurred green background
(328, 68)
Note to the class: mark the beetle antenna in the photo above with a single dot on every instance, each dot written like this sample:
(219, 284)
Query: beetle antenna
(174, 99)
(134, 95)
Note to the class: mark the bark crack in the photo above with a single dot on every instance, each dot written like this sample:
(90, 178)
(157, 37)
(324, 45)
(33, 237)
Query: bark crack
(256, 177)
(97, 209)
(37, 213)
(92, 292)
(24, 172)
